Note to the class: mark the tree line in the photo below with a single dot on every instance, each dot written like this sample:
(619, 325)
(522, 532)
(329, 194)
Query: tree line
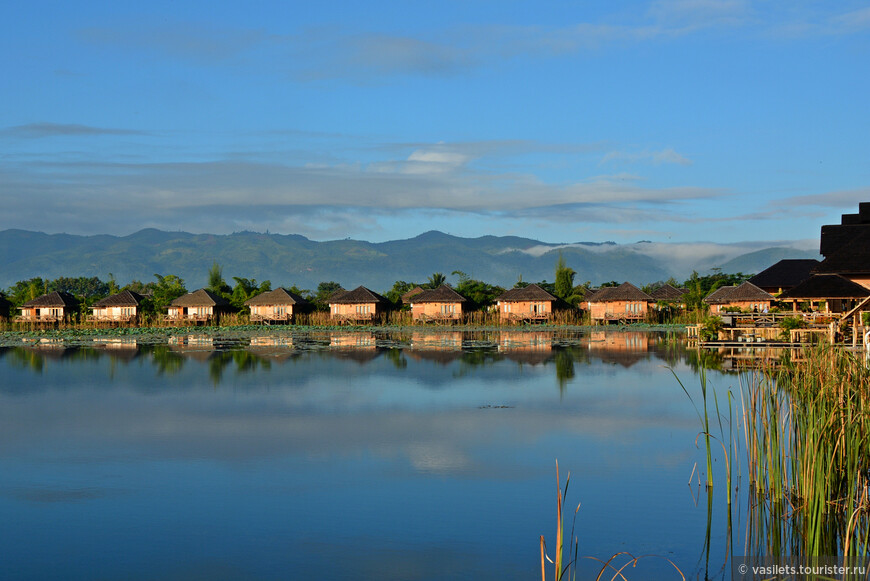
(160, 292)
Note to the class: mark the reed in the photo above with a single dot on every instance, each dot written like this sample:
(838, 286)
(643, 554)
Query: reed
(806, 428)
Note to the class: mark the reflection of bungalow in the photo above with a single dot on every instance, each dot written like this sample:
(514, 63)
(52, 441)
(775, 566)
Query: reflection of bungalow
(784, 275)
(531, 303)
(198, 347)
(201, 305)
(670, 294)
(50, 307)
(440, 304)
(624, 303)
(517, 341)
(121, 307)
(359, 304)
(352, 341)
(278, 305)
(623, 349)
(837, 292)
(746, 297)
(437, 341)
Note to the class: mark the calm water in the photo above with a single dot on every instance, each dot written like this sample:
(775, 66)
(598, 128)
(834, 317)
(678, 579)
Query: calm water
(348, 456)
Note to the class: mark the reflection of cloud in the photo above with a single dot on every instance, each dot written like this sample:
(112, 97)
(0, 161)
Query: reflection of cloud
(436, 457)
(56, 495)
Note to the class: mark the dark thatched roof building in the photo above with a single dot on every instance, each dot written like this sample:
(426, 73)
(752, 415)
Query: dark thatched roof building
(200, 305)
(784, 275)
(53, 306)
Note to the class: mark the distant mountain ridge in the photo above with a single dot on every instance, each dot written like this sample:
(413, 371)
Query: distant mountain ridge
(288, 259)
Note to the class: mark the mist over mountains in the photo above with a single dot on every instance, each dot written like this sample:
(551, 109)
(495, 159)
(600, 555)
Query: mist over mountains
(292, 259)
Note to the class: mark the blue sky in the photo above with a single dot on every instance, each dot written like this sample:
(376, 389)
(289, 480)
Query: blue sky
(670, 120)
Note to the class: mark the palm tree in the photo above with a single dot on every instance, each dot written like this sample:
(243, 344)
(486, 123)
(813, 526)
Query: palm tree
(436, 280)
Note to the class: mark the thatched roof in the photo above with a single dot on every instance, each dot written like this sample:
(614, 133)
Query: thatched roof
(742, 293)
(122, 299)
(358, 295)
(442, 294)
(720, 295)
(200, 298)
(55, 299)
(826, 286)
(668, 293)
(785, 274)
(853, 257)
(414, 291)
(624, 292)
(530, 293)
(279, 296)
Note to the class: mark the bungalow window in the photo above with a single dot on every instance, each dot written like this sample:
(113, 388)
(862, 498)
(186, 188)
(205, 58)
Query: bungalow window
(448, 309)
(363, 309)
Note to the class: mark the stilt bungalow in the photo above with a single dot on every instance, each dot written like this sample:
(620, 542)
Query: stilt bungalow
(50, 307)
(530, 303)
(357, 305)
(624, 303)
(276, 306)
(746, 297)
(122, 307)
(827, 293)
(440, 304)
(200, 306)
(669, 294)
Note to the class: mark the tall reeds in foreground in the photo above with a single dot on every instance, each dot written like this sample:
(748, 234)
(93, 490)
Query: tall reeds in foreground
(807, 431)
(567, 570)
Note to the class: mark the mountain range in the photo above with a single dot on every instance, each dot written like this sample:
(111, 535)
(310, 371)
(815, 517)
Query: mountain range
(288, 260)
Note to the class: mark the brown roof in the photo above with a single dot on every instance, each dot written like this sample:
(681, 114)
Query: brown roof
(531, 292)
(719, 295)
(200, 298)
(414, 291)
(624, 292)
(442, 294)
(785, 273)
(122, 299)
(744, 292)
(827, 286)
(279, 296)
(668, 293)
(358, 295)
(55, 299)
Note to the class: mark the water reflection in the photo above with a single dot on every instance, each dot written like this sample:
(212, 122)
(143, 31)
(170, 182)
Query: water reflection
(265, 453)
(462, 351)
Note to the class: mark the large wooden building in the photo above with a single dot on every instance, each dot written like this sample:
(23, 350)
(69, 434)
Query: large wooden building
(530, 303)
(440, 304)
(276, 306)
(784, 275)
(51, 307)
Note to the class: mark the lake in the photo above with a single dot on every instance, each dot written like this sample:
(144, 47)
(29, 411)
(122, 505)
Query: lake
(351, 455)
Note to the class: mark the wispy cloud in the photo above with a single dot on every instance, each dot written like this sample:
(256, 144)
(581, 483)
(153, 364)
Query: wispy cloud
(655, 157)
(45, 129)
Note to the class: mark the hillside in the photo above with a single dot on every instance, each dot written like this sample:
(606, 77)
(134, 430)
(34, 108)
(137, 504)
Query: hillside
(292, 259)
